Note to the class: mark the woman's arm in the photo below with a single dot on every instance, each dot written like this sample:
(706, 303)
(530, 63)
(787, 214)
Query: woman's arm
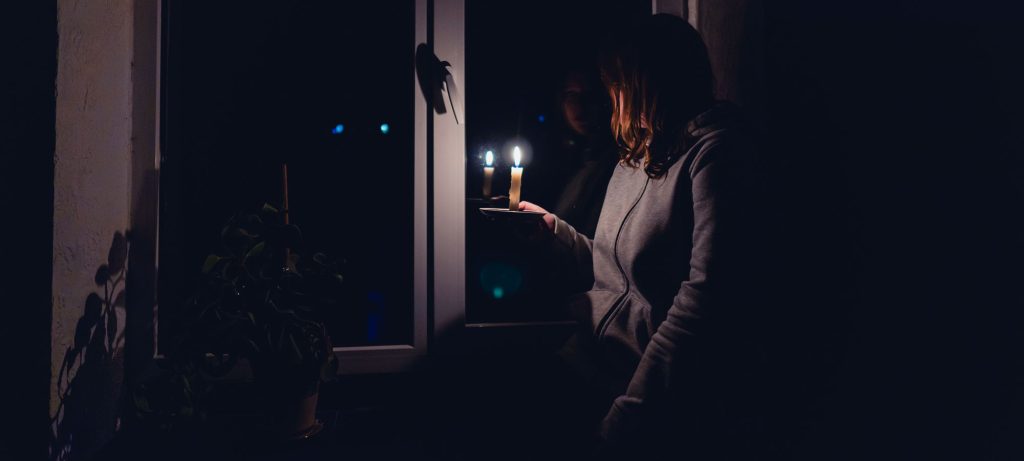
(719, 177)
(579, 247)
(567, 243)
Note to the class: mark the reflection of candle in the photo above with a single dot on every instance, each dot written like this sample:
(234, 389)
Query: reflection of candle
(488, 173)
(517, 181)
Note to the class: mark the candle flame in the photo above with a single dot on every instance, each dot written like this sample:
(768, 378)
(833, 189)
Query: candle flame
(489, 158)
(517, 155)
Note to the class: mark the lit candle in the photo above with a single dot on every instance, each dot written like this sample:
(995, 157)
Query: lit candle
(488, 173)
(517, 181)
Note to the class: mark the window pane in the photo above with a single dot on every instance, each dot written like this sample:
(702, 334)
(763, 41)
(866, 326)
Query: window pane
(532, 82)
(326, 87)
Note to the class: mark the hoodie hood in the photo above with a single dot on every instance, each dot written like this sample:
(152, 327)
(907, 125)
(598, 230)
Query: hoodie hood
(720, 116)
(723, 114)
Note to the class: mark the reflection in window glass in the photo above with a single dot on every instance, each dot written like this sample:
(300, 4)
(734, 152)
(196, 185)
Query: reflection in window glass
(532, 82)
(326, 87)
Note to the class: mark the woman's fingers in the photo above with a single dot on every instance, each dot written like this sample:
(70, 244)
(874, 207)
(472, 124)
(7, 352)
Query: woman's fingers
(549, 219)
(528, 206)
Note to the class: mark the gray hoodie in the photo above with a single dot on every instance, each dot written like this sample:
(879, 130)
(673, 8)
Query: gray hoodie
(666, 258)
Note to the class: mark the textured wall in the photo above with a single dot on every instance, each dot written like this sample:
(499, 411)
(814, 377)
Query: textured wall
(91, 206)
(733, 31)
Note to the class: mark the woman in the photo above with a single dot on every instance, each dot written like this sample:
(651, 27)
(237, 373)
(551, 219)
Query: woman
(670, 256)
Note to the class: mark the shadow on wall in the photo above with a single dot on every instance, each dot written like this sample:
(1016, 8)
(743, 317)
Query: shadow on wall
(90, 379)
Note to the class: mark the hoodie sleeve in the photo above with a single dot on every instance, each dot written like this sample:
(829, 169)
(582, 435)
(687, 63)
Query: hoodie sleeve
(718, 175)
(576, 247)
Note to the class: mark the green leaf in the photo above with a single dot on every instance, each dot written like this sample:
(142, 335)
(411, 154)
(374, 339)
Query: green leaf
(141, 403)
(256, 250)
(211, 262)
(295, 350)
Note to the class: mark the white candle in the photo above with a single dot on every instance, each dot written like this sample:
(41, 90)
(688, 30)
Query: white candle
(517, 181)
(488, 173)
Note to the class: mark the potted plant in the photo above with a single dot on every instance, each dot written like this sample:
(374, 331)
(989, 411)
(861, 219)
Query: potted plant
(262, 300)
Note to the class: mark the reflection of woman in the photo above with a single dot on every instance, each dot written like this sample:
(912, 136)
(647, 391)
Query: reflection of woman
(589, 149)
(668, 254)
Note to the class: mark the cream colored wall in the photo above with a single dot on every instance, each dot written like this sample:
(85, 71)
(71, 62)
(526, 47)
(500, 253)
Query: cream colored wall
(91, 203)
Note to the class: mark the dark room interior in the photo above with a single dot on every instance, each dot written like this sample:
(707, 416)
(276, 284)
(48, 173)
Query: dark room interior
(319, 230)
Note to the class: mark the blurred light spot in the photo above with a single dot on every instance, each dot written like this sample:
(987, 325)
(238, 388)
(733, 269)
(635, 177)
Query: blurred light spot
(540, 118)
(373, 319)
(373, 326)
(384, 128)
(500, 279)
(338, 129)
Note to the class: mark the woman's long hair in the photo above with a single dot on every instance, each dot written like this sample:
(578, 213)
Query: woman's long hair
(660, 68)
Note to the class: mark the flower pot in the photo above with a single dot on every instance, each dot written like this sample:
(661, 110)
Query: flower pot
(290, 410)
(294, 418)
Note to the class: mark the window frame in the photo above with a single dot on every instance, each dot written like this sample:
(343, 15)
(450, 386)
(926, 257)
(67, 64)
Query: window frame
(351, 359)
(402, 357)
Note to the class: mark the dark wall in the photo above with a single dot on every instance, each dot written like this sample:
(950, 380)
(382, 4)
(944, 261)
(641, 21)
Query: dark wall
(28, 33)
(900, 125)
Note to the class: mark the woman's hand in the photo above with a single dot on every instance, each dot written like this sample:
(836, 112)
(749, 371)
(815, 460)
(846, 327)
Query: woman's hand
(536, 232)
(549, 219)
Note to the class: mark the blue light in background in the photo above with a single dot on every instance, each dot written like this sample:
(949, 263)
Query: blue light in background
(338, 129)
(375, 316)
(499, 279)
(540, 118)
(373, 326)
(384, 128)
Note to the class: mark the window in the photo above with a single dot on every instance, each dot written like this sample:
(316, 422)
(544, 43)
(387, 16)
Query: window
(328, 89)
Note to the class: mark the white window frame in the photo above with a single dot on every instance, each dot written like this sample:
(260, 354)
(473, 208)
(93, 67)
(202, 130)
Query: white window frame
(403, 357)
(449, 180)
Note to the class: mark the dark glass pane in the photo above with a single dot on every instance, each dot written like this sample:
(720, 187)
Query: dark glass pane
(532, 81)
(324, 86)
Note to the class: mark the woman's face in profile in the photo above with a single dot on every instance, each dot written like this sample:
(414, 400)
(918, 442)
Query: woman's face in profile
(583, 105)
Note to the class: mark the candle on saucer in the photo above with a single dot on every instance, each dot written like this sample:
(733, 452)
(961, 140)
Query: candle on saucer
(517, 181)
